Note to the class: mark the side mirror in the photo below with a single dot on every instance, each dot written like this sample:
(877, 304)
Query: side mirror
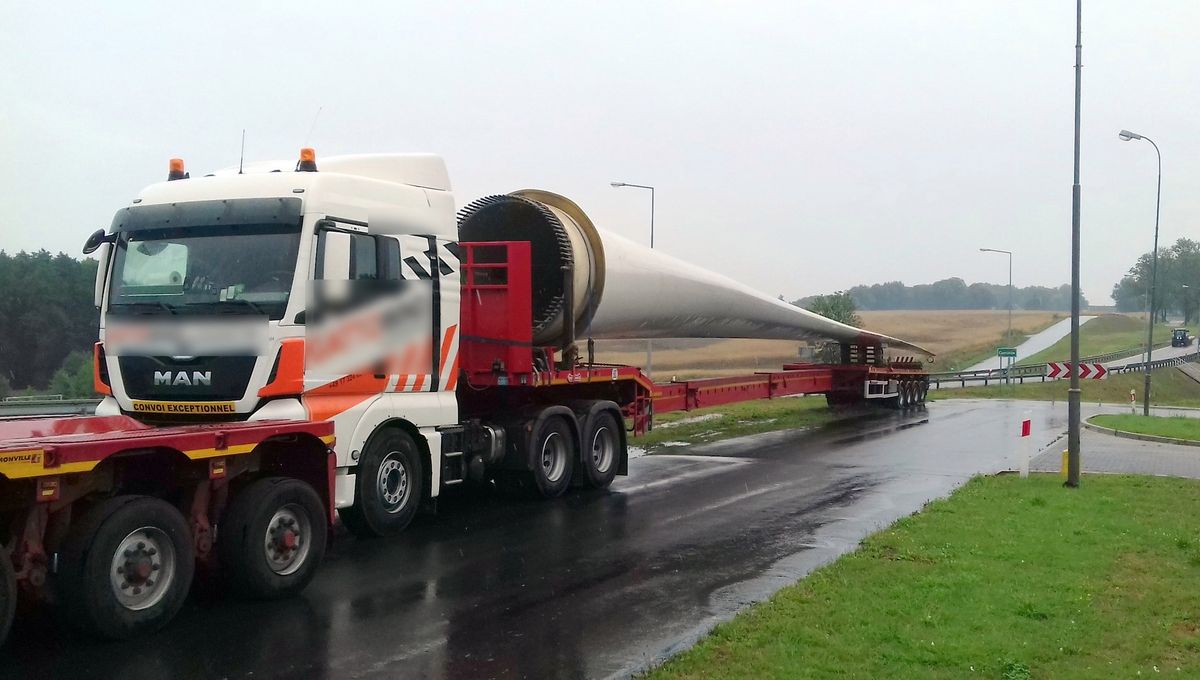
(94, 241)
(105, 249)
(335, 261)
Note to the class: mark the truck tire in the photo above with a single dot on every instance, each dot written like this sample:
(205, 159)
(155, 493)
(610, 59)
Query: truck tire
(8, 595)
(389, 486)
(552, 445)
(272, 538)
(126, 567)
(601, 450)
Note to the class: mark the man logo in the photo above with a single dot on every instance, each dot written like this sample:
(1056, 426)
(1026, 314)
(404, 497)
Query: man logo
(196, 379)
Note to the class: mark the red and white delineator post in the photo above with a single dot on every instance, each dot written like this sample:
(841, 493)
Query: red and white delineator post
(1023, 450)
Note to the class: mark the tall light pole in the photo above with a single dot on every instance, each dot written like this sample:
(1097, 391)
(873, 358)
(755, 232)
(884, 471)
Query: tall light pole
(1073, 425)
(1008, 336)
(618, 185)
(1128, 136)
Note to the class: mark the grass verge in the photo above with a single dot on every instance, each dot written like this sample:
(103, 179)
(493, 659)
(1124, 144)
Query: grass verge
(1176, 427)
(1008, 579)
(963, 358)
(1108, 333)
(1170, 388)
(734, 420)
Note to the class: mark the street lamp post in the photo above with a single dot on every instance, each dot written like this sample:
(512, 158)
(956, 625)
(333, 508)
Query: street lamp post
(1008, 336)
(1073, 393)
(618, 185)
(1128, 136)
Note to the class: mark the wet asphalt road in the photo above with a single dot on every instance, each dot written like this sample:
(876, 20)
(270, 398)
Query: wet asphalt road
(592, 585)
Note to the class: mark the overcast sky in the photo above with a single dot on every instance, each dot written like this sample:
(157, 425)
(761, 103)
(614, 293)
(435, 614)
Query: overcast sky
(800, 147)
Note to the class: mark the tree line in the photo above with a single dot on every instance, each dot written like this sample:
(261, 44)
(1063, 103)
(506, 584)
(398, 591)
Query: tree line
(954, 293)
(1178, 282)
(46, 315)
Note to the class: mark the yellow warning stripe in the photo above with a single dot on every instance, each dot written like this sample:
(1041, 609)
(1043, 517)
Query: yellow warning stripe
(236, 450)
(31, 462)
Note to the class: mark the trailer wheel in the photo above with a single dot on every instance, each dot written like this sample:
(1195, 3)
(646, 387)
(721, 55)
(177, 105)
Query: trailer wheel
(272, 538)
(554, 454)
(8, 594)
(601, 450)
(390, 484)
(126, 567)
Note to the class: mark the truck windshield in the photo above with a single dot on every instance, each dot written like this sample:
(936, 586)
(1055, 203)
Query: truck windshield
(235, 269)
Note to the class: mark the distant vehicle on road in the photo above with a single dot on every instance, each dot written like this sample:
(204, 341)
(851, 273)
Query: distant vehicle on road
(1180, 337)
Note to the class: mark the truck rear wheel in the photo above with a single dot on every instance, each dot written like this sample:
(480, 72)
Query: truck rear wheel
(126, 567)
(8, 595)
(601, 450)
(554, 453)
(390, 483)
(272, 538)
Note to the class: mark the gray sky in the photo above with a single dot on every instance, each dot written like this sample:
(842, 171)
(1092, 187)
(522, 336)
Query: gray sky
(800, 147)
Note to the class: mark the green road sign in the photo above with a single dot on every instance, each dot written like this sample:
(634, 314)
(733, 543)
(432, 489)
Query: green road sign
(1007, 352)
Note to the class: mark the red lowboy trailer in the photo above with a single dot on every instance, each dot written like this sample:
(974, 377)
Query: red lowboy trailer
(120, 515)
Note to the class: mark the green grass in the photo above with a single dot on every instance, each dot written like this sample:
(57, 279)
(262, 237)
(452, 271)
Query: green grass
(1170, 387)
(1109, 333)
(1009, 578)
(961, 359)
(1176, 427)
(734, 420)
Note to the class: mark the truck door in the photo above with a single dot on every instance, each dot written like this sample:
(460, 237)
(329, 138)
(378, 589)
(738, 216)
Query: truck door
(346, 323)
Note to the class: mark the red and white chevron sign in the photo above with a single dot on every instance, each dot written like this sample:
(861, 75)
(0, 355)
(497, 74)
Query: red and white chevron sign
(1062, 369)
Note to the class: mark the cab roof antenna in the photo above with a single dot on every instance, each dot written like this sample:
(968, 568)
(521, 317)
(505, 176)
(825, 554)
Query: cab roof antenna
(313, 126)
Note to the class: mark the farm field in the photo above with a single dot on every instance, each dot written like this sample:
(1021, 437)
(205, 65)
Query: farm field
(958, 337)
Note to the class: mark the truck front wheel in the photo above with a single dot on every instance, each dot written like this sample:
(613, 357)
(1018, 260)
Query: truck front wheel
(8, 595)
(390, 483)
(272, 538)
(126, 567)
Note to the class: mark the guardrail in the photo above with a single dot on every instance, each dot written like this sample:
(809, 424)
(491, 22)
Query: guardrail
(1017, 374)
(33, 397)
(1020, 374)
(1157, 363)
(47, 407)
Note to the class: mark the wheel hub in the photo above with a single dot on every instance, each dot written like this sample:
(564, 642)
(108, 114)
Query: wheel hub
(602, 450)
(393, 482)
(554, 457)
(286, 544)
(143, 567)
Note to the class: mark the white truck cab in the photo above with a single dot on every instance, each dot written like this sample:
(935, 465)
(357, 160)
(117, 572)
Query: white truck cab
(252, 293)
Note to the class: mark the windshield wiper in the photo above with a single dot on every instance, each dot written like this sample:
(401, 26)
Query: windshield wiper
(170, 309)
(254, 306)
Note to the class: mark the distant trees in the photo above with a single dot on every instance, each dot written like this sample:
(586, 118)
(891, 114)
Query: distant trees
(838, 306)
(954, 293)
(73, 379)
(1178, 288)
(46, 313)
